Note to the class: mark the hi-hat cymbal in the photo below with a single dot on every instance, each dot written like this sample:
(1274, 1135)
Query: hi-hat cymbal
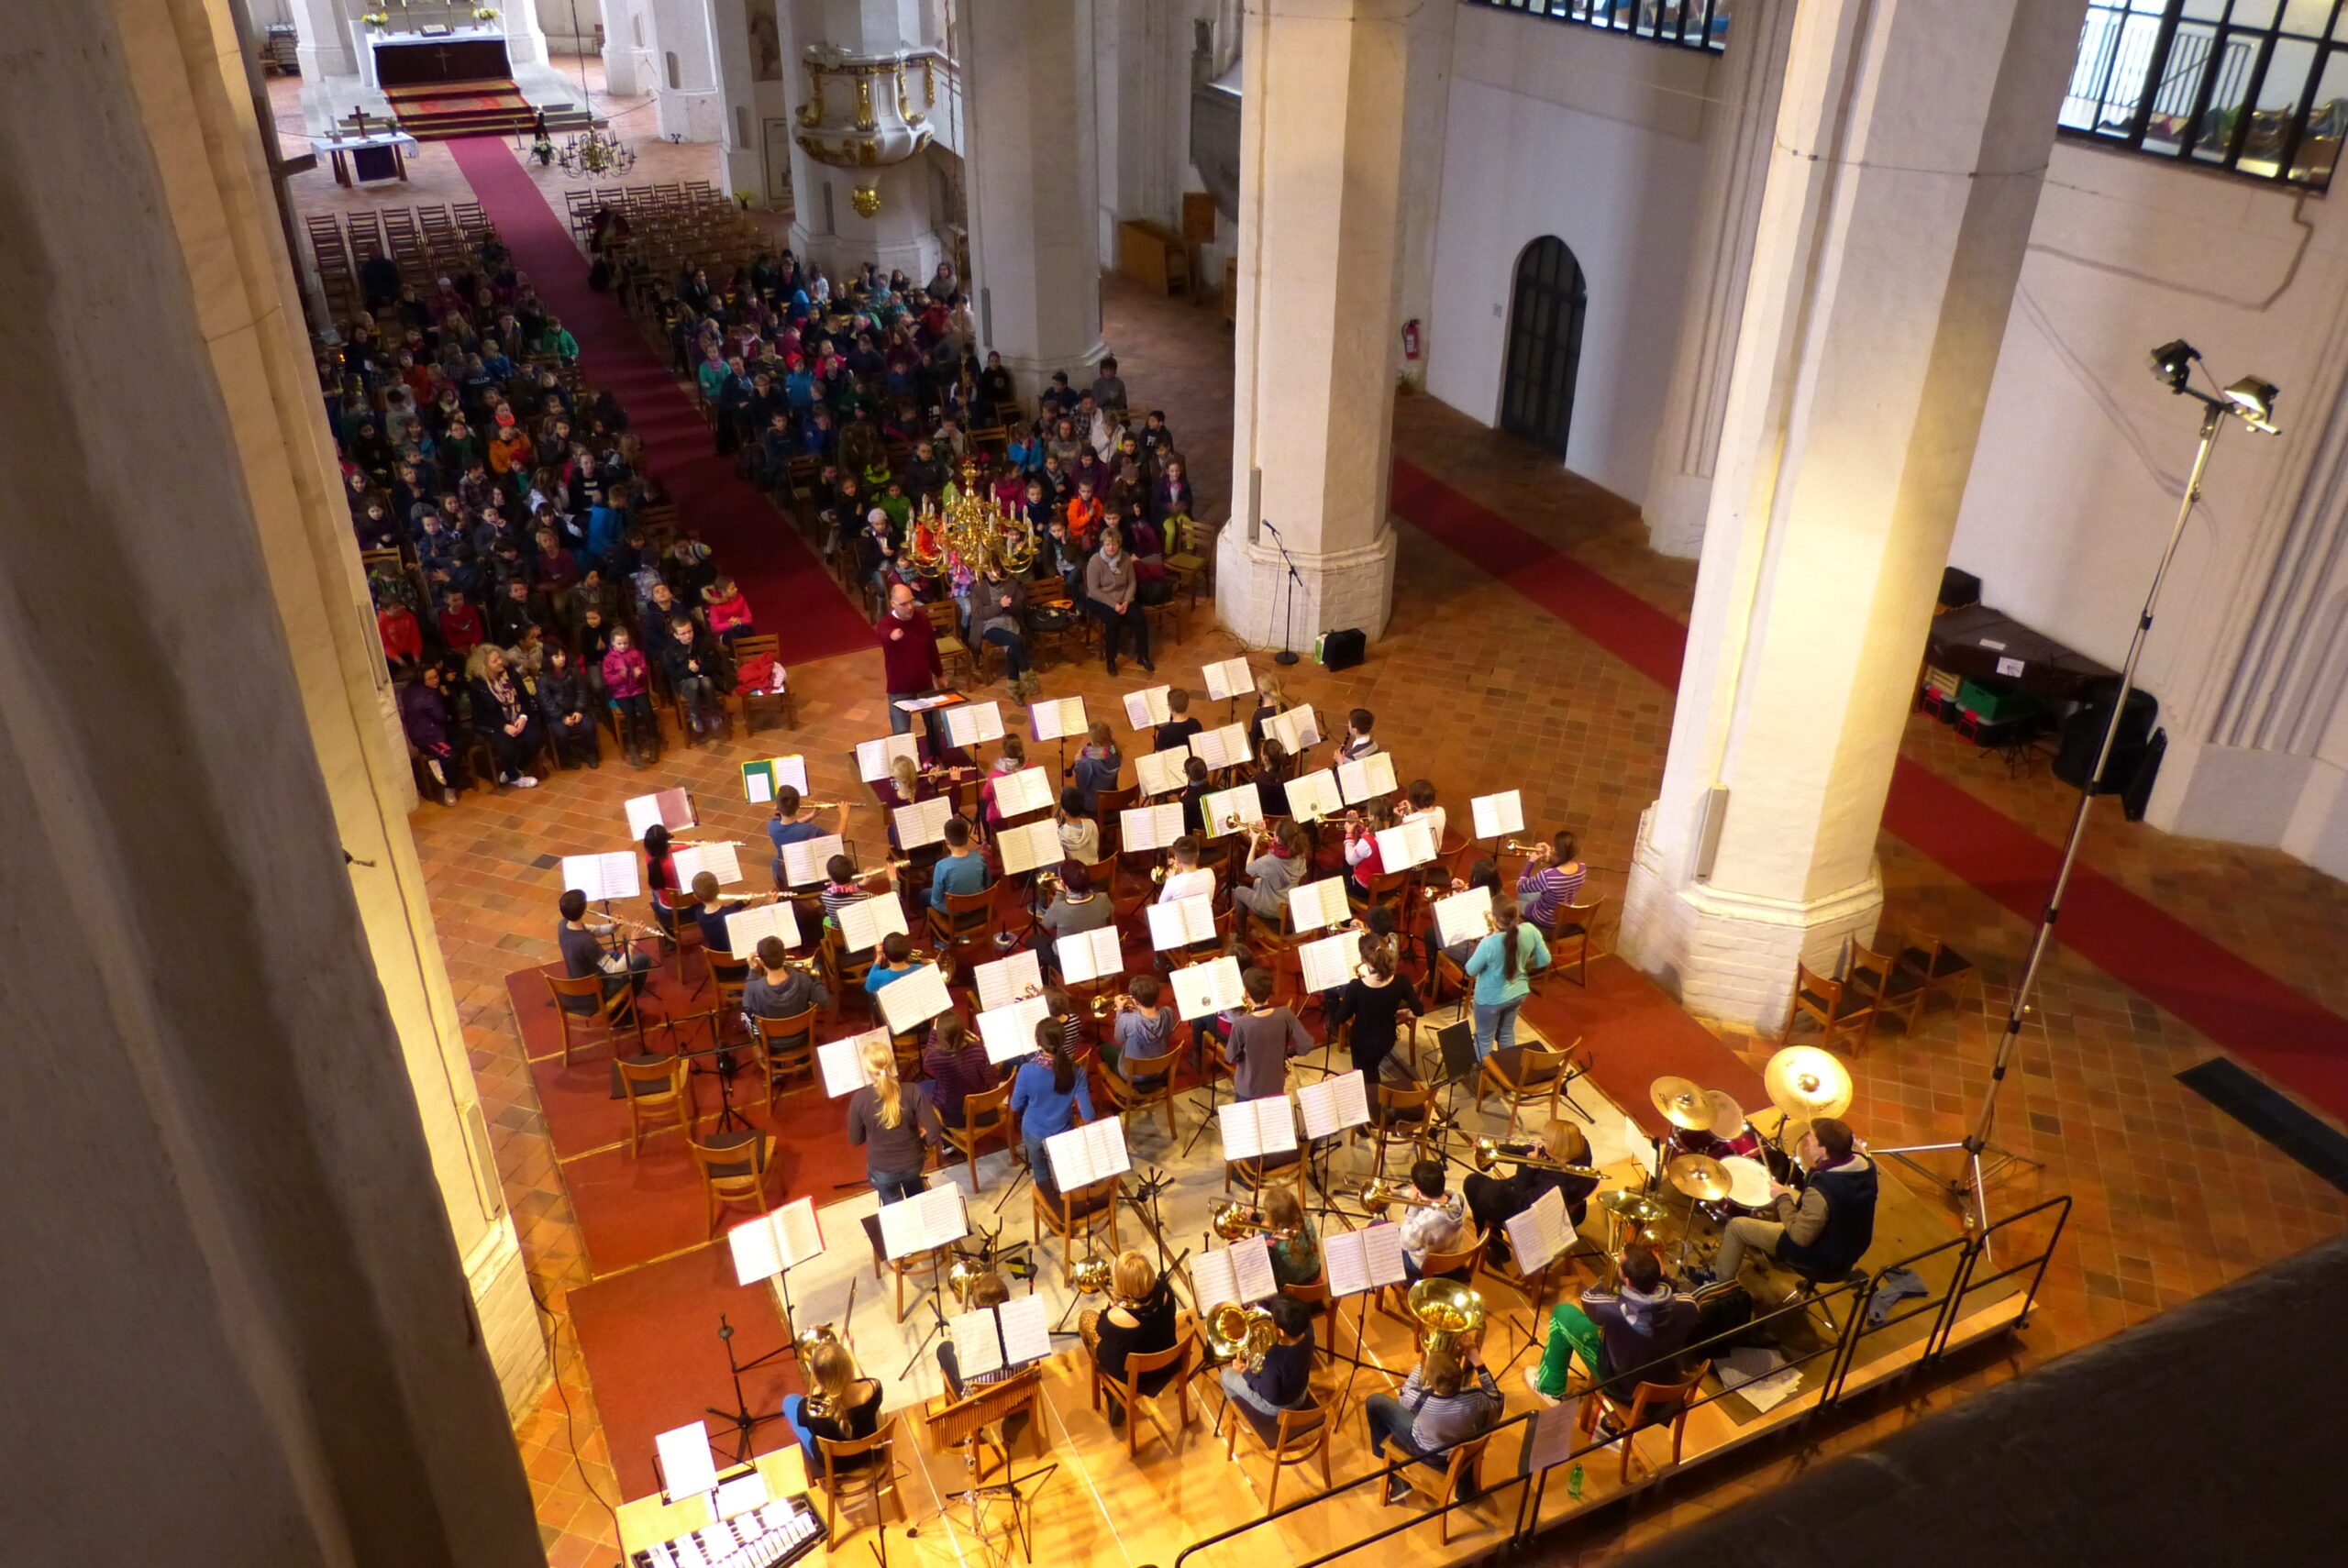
(1682, 1103)
(1700, 1176)
(1727, 1115)
(1805, 1081)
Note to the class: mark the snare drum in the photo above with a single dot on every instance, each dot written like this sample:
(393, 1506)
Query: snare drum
(1748, 1190)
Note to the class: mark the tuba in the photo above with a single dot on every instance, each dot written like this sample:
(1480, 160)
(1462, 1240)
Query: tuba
(1491, 1151)
(1447, 1312)
(1239, 1333)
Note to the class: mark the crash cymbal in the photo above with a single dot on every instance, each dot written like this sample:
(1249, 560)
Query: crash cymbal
(1700, 1176)
(1682, 1103)
(1727, 1115)
(1807, 1082)
(1631, 1206)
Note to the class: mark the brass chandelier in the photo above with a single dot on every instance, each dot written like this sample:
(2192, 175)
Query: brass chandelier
(971, 537)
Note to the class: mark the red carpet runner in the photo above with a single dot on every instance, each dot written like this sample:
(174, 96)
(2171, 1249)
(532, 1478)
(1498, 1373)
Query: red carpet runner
(2302, 1044)
(790, 593)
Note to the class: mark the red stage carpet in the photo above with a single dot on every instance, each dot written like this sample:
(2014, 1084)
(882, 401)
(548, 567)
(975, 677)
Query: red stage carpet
(650, 1341)
(1635, 1034)
(2299, 1043)
(790, 592)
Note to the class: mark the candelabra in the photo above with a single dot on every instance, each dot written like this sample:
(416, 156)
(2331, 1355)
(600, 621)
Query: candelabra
(971, 537)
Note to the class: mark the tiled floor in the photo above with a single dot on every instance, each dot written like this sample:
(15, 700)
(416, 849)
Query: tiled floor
(1482, 690)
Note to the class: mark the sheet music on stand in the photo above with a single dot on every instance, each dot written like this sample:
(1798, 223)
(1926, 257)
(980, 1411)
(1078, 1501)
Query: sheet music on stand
(744, 929)
(1182, 922)
(909, 1003)
(806, 862)
(1088, 955)
(1464, 917)
(922, 822)
(1365, 778)
(978, 1343)
(1411, 843)
(601, 877)
(864, 922)
(1059, 719)
(1162, 772)
(1026, 1328)
(1082, 1155)
(1314, 796)
(1311, 905)
(1225, 746)
(1030, 845)
(687, 1465)
(1499, 816)
(1202, 988)
(1364, 1259)
(718, 860)
(1328, 964)
(1639, 1145)
(1334, 1104)
(1297, 729)
(1149, 827)
(1222, 805)
(773, 1242)
(1002, 981)
(1199, 884)
(1229, 678)
(1539, 1232)
(1008, 1031)
(1556, 1431)
(874, 756)
(760, 779)
(1254, 1128)
(1017, 794)
(671, 809)
(926, 1220)
(1241, 1272)
(1146, 708)
(842, 1063)
(974, 723)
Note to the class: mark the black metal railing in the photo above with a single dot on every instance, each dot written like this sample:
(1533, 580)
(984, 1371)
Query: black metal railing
(1682, 24)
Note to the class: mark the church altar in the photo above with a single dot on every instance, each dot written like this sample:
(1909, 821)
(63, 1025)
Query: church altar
(412, 59)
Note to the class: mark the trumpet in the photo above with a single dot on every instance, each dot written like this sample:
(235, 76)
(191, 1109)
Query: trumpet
(1231, 823)
(1241, 1334)
(1231, 1221)
(1103, 1006)
(1448, 1313)
(1377, 1193)
(1158, 876)
(1491, 1151)
(1512, 847)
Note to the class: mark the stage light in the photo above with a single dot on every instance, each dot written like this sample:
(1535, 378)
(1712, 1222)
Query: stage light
(2173, 362)
(2253, 403)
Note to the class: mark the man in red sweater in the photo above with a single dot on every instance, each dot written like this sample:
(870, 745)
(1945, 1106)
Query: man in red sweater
(909, 658)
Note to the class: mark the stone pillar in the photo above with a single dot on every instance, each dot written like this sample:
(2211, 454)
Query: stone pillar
(686, 98)
(241, 1209)
(1903, 176)
(1140, 49)
(1322, 108)
(526, 40)
(626, 67)
(1034, 190)
(323, 47)
(740, 163)
(1425, 123)
(1740, 123)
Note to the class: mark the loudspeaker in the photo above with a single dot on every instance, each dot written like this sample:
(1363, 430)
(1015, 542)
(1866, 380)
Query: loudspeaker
(1457, 1042)
(1342, 650)
(2083, 736)
(1959, 589)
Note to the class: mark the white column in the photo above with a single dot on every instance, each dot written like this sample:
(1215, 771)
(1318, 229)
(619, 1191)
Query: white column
(1425, 122)
(322, 46)
(526, 40)
(246, 1207)
(1322, 108)
(743, 168)
(686, 99)
(1739, 124)
(627, 48)
(1033, 190)
(1141, 47)
(1903, 177)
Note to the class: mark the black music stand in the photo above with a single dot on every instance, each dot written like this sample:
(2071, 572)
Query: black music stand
(741, 1418)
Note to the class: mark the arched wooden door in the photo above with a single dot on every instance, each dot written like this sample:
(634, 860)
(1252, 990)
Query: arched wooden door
(1544, 344)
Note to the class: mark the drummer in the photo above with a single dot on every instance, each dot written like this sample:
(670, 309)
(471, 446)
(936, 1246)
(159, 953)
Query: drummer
(1822, 1231)
(1492, 1200)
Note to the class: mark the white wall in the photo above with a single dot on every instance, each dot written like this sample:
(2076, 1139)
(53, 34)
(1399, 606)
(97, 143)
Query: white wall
(2082, 461)
(1559, 130)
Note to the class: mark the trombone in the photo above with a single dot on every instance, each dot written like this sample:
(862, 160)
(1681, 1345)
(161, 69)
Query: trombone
(1377, 1193)
(1491, 1151)
(1231, 1221)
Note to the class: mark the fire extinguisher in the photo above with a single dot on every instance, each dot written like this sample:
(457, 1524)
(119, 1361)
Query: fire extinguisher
(1411, 338)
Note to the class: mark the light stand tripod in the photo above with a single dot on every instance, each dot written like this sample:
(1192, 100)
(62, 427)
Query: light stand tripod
(2251, 401)
(1288, 596)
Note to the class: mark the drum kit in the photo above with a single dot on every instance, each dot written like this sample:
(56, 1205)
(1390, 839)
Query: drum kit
(1720, 1158)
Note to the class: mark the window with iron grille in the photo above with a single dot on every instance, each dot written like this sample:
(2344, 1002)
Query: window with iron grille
(2259, 87)
(1684, 23)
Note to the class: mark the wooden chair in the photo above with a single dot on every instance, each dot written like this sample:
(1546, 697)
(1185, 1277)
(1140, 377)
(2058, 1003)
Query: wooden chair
(1128, 1099)
(932, 1261)
(745, 649)
(1298, 1437)
(1398, 1115)
(658, 1085)
(1940, 968)
(784, 1046)
(1148, 1379)
(1460, 1265)
(1386, 888)
(967, 917)
(1079, 1214)
(1892, 991)
(614, 1012)
(1575, 924)
(1467, 1460)
(857, 1471)
(1314, 1294)
(1524, 1075)
(1112, 801)
(1836, 1008)
(849, 967)
(1264, 1172)
(1648, 1397)
(685, 931)
(984, 1116)
(734, 1171)
(730, 976)
(951, 649)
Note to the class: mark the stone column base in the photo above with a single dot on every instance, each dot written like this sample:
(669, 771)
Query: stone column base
(510, 1331)
(1730, 957)
(1344, 587)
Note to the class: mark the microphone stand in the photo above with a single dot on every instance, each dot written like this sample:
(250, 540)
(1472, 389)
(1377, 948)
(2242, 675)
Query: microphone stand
(1288, 595)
